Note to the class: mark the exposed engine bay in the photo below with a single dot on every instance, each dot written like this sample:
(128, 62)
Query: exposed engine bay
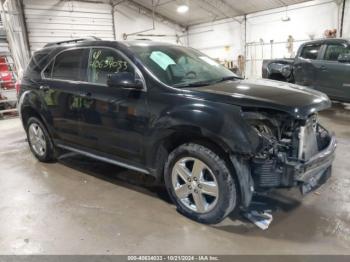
(288, 144)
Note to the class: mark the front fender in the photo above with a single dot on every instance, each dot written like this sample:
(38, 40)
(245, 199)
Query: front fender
(219, 122)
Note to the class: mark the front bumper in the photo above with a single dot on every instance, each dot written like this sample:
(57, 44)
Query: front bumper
(317, 169)
(307, 174)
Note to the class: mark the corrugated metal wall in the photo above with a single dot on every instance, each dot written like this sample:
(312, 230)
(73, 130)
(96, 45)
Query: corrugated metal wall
(13, 23)
(55, 20)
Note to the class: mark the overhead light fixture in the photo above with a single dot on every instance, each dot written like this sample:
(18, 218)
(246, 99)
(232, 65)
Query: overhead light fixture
(286, 18)
(182, 9)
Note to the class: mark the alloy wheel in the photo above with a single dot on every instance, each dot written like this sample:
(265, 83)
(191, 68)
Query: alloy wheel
(195, 184)
(37, 139)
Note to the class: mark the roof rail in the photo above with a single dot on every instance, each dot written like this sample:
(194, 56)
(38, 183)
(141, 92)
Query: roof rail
(73, 41)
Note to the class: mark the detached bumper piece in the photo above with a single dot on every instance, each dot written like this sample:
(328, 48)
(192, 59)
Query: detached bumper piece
(317, 169)
(315, 181)
(309, 174)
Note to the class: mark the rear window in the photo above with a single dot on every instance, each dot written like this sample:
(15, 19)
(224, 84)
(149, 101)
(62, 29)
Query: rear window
(69, 65)
(310, 52)
(37, 62)
(48, 70)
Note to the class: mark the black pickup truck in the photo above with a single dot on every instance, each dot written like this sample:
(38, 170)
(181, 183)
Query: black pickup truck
(323, 65)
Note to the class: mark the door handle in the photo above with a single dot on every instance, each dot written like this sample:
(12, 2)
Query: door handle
(323, 68)
(44, 88)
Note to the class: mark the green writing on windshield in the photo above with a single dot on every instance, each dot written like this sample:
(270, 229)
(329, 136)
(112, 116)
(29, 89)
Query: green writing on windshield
(108, 63)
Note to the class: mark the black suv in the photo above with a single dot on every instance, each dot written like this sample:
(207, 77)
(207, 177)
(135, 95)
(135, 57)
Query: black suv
(171, 112)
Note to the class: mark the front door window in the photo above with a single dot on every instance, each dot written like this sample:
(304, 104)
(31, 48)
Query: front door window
(105, 62)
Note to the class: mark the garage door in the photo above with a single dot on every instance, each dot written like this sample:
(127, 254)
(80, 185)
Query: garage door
(54, 20)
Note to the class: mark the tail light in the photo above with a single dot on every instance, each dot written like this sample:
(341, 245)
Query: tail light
(18, 86)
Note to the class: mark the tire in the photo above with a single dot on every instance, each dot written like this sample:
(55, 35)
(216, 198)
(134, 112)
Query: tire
(186, 195)
(40, 143)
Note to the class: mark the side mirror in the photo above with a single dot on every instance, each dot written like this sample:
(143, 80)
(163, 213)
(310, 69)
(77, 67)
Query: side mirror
(344, 58)
(124, 80)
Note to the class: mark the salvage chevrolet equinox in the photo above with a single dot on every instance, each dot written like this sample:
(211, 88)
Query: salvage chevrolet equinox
(213, 138)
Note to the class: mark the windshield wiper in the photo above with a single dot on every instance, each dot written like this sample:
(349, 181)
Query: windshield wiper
(210, 82)
(196, 84)
(226, 78)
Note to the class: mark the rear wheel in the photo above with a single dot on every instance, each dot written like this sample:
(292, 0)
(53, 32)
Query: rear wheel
(200, 183)
(39, 140)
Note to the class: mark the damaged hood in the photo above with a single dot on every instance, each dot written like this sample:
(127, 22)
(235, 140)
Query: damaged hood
(295, 100)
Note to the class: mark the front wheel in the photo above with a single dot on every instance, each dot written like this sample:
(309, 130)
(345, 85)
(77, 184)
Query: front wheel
(200, 183)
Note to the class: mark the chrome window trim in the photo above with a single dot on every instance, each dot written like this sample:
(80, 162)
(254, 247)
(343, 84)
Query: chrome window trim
(137, 70)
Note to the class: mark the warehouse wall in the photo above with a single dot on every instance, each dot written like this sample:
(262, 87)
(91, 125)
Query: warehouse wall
(221, 39)
(347, 19)
(58, 20)
(14, 39)
(311, 18)
(54, 20)
(129, 19)
(307, 22)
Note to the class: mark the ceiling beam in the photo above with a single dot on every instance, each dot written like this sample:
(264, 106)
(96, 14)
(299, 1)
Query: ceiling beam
(207, 9)
(148, 12)
(232, 8)
(221, 8)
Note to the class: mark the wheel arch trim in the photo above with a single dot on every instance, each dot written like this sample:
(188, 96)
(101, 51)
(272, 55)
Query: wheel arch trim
(245, 180)
(20, 105)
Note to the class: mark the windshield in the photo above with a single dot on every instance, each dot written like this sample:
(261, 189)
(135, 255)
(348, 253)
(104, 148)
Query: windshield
(181, 67)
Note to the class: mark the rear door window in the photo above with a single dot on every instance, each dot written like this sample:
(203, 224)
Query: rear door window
(310, 51)
(69, 65)
(333, 51)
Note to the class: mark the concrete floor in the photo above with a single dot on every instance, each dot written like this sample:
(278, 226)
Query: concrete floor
(80, 206)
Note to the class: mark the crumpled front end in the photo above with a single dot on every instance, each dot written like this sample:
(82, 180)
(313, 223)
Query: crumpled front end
(293, 152)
